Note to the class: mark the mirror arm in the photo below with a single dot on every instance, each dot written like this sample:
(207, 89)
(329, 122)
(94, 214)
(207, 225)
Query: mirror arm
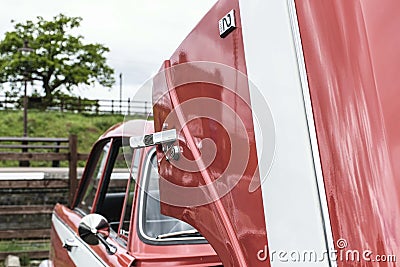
(111, 249)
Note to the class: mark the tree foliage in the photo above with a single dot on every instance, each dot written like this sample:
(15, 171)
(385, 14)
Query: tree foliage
(60, 58)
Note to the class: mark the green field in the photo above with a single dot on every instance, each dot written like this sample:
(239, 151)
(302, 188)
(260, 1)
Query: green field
(87, 127)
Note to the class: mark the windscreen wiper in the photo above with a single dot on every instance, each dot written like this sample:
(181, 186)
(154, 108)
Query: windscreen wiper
(188, 233)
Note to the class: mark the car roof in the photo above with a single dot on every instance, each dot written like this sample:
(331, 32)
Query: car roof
(129, 128)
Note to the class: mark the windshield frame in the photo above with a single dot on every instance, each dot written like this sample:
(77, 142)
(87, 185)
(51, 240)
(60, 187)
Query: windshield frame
(144, 183)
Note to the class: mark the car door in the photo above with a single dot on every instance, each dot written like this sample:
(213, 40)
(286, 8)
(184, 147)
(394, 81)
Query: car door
(105, 189)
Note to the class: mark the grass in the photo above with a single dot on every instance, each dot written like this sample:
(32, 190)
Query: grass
(22, 248)
(88, 128)
(24, 245)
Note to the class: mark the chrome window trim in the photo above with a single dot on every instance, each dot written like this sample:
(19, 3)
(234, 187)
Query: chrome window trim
(142, 189)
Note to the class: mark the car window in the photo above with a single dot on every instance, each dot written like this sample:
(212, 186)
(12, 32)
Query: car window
(154, 226)
(110, 201)
(110, 188)
(124, 225)
(92, 182)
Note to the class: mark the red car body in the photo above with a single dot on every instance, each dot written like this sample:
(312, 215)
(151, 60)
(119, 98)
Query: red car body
(321, 184)
(132, 248)
(286, 115)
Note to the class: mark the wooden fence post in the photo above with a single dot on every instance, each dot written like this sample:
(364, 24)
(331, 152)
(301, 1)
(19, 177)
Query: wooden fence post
(24, 163)
(56, 163)
(73, 165)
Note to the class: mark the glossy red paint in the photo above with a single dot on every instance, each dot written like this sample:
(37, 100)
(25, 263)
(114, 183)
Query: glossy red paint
(59, 256)
(176, 255)
(352, 57)
(129, 128)
(236, 231)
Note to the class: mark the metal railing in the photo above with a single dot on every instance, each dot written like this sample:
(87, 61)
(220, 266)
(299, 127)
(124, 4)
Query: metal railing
(81, 105)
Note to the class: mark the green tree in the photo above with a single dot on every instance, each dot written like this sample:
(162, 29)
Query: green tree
(60, 58)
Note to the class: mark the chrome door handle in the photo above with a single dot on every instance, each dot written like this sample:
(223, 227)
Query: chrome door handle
(69, 244)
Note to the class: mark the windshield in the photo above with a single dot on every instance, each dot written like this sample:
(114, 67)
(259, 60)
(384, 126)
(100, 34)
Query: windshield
(154, 225)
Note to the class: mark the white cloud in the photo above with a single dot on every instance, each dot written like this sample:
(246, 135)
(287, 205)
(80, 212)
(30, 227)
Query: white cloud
(140, 33)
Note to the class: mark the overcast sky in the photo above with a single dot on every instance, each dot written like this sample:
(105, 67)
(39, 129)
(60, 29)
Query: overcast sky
(141, 34)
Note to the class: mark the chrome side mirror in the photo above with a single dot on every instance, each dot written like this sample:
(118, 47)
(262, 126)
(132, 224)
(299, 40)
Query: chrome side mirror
(94, 229)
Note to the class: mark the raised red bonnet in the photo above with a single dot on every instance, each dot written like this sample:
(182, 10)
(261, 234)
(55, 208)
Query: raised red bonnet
(337, 125)
(233, 222)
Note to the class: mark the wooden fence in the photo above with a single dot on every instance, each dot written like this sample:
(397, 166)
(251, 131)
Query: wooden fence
(26, 205)
(50, 149)
(22, 220)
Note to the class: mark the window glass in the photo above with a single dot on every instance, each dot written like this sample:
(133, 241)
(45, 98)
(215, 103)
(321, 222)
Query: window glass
(86, 202)
(129, 196)
(113, 163)
(155, 225)
(111, 198)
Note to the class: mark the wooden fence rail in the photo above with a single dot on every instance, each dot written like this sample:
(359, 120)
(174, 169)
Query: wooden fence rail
(26, 204)
(50, 149)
